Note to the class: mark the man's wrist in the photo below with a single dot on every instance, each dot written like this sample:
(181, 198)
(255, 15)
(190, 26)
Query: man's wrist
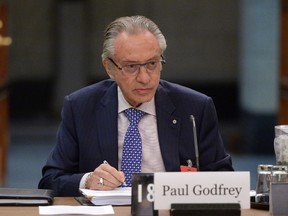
(83, 181)
(87, 180)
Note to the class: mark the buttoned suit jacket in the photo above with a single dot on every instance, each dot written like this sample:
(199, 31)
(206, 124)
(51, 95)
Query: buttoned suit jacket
(88, 133)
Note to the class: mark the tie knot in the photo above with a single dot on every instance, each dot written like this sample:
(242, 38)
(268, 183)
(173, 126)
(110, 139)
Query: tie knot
(134, 115)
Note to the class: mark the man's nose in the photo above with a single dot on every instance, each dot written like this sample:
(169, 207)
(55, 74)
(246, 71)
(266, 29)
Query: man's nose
(143, 75)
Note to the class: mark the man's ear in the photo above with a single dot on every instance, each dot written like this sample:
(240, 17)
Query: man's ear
(108, 68)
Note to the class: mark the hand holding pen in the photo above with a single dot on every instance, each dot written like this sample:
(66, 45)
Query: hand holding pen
(104, 177)
(123, 184)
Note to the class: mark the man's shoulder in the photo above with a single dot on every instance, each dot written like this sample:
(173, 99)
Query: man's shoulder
(95, 89)
(178, 90)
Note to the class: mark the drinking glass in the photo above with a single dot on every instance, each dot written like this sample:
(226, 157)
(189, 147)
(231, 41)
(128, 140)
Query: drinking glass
(279, 174)
(281, 144)
(263, 183)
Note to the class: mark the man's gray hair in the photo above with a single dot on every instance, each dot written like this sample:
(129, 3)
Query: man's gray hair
(131, 25)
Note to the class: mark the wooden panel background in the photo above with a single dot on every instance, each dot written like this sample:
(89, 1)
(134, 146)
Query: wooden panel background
(3, 95)
(283, 80)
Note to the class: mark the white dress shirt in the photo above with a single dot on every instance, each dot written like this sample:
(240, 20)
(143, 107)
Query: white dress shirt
(151, 155)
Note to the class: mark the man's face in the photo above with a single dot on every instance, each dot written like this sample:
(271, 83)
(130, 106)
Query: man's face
(136, 49)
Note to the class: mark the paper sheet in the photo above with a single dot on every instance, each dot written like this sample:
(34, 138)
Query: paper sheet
(121, 191)
(118, 196)
(64, 209)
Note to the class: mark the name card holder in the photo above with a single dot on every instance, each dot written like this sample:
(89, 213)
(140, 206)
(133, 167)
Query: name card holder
(207, 209)
(211, 188)
(143, 195)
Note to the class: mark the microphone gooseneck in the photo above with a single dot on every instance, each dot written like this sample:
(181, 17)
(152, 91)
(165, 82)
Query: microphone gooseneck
(192, 118)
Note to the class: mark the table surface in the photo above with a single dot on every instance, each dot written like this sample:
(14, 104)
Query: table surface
(119, 210)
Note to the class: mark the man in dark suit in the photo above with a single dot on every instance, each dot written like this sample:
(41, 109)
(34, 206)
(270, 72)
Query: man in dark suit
(89, 148)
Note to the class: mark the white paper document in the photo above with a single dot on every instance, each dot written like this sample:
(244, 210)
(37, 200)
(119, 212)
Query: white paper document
(118, 196)
(64, 209)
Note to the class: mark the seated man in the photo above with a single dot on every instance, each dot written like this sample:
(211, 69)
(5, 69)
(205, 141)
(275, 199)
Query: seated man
(132, 122)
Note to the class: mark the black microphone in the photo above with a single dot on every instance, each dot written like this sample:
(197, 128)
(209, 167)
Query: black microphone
(195, 142)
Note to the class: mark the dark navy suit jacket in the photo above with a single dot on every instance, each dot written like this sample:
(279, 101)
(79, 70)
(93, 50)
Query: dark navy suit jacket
(88, 134)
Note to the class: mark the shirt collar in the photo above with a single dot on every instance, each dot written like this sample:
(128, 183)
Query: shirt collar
(147, 107)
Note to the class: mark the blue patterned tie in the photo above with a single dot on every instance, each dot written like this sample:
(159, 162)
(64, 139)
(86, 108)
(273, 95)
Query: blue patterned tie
(132, 147)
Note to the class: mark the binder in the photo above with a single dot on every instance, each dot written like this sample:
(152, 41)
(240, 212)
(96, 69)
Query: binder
(25, 197)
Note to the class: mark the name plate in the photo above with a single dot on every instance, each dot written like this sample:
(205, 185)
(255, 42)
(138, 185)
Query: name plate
(201, 187)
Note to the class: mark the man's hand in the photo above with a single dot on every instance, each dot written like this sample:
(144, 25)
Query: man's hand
(105, 177)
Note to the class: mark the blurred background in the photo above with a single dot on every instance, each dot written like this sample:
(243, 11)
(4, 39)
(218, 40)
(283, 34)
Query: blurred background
(231, 50)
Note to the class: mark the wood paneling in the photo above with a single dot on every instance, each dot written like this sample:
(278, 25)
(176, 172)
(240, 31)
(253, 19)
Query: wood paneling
(283, 80)
(3, 94)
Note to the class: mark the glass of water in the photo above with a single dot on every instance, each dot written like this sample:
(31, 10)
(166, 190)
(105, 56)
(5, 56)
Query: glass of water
(281, 144)
(263, 183)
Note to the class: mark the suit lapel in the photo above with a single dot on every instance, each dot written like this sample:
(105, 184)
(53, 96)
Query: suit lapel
(107, 126)
(168, 129)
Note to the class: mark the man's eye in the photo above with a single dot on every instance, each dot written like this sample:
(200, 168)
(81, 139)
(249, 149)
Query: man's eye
(152, 63)
(131, 66)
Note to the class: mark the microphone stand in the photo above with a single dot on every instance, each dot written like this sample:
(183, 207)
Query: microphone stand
(195, 142)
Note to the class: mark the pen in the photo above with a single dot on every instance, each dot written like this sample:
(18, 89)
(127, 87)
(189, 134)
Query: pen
(105, 162)
(123, 183)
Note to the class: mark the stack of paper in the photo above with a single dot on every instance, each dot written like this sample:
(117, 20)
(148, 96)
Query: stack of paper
(118, 196)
